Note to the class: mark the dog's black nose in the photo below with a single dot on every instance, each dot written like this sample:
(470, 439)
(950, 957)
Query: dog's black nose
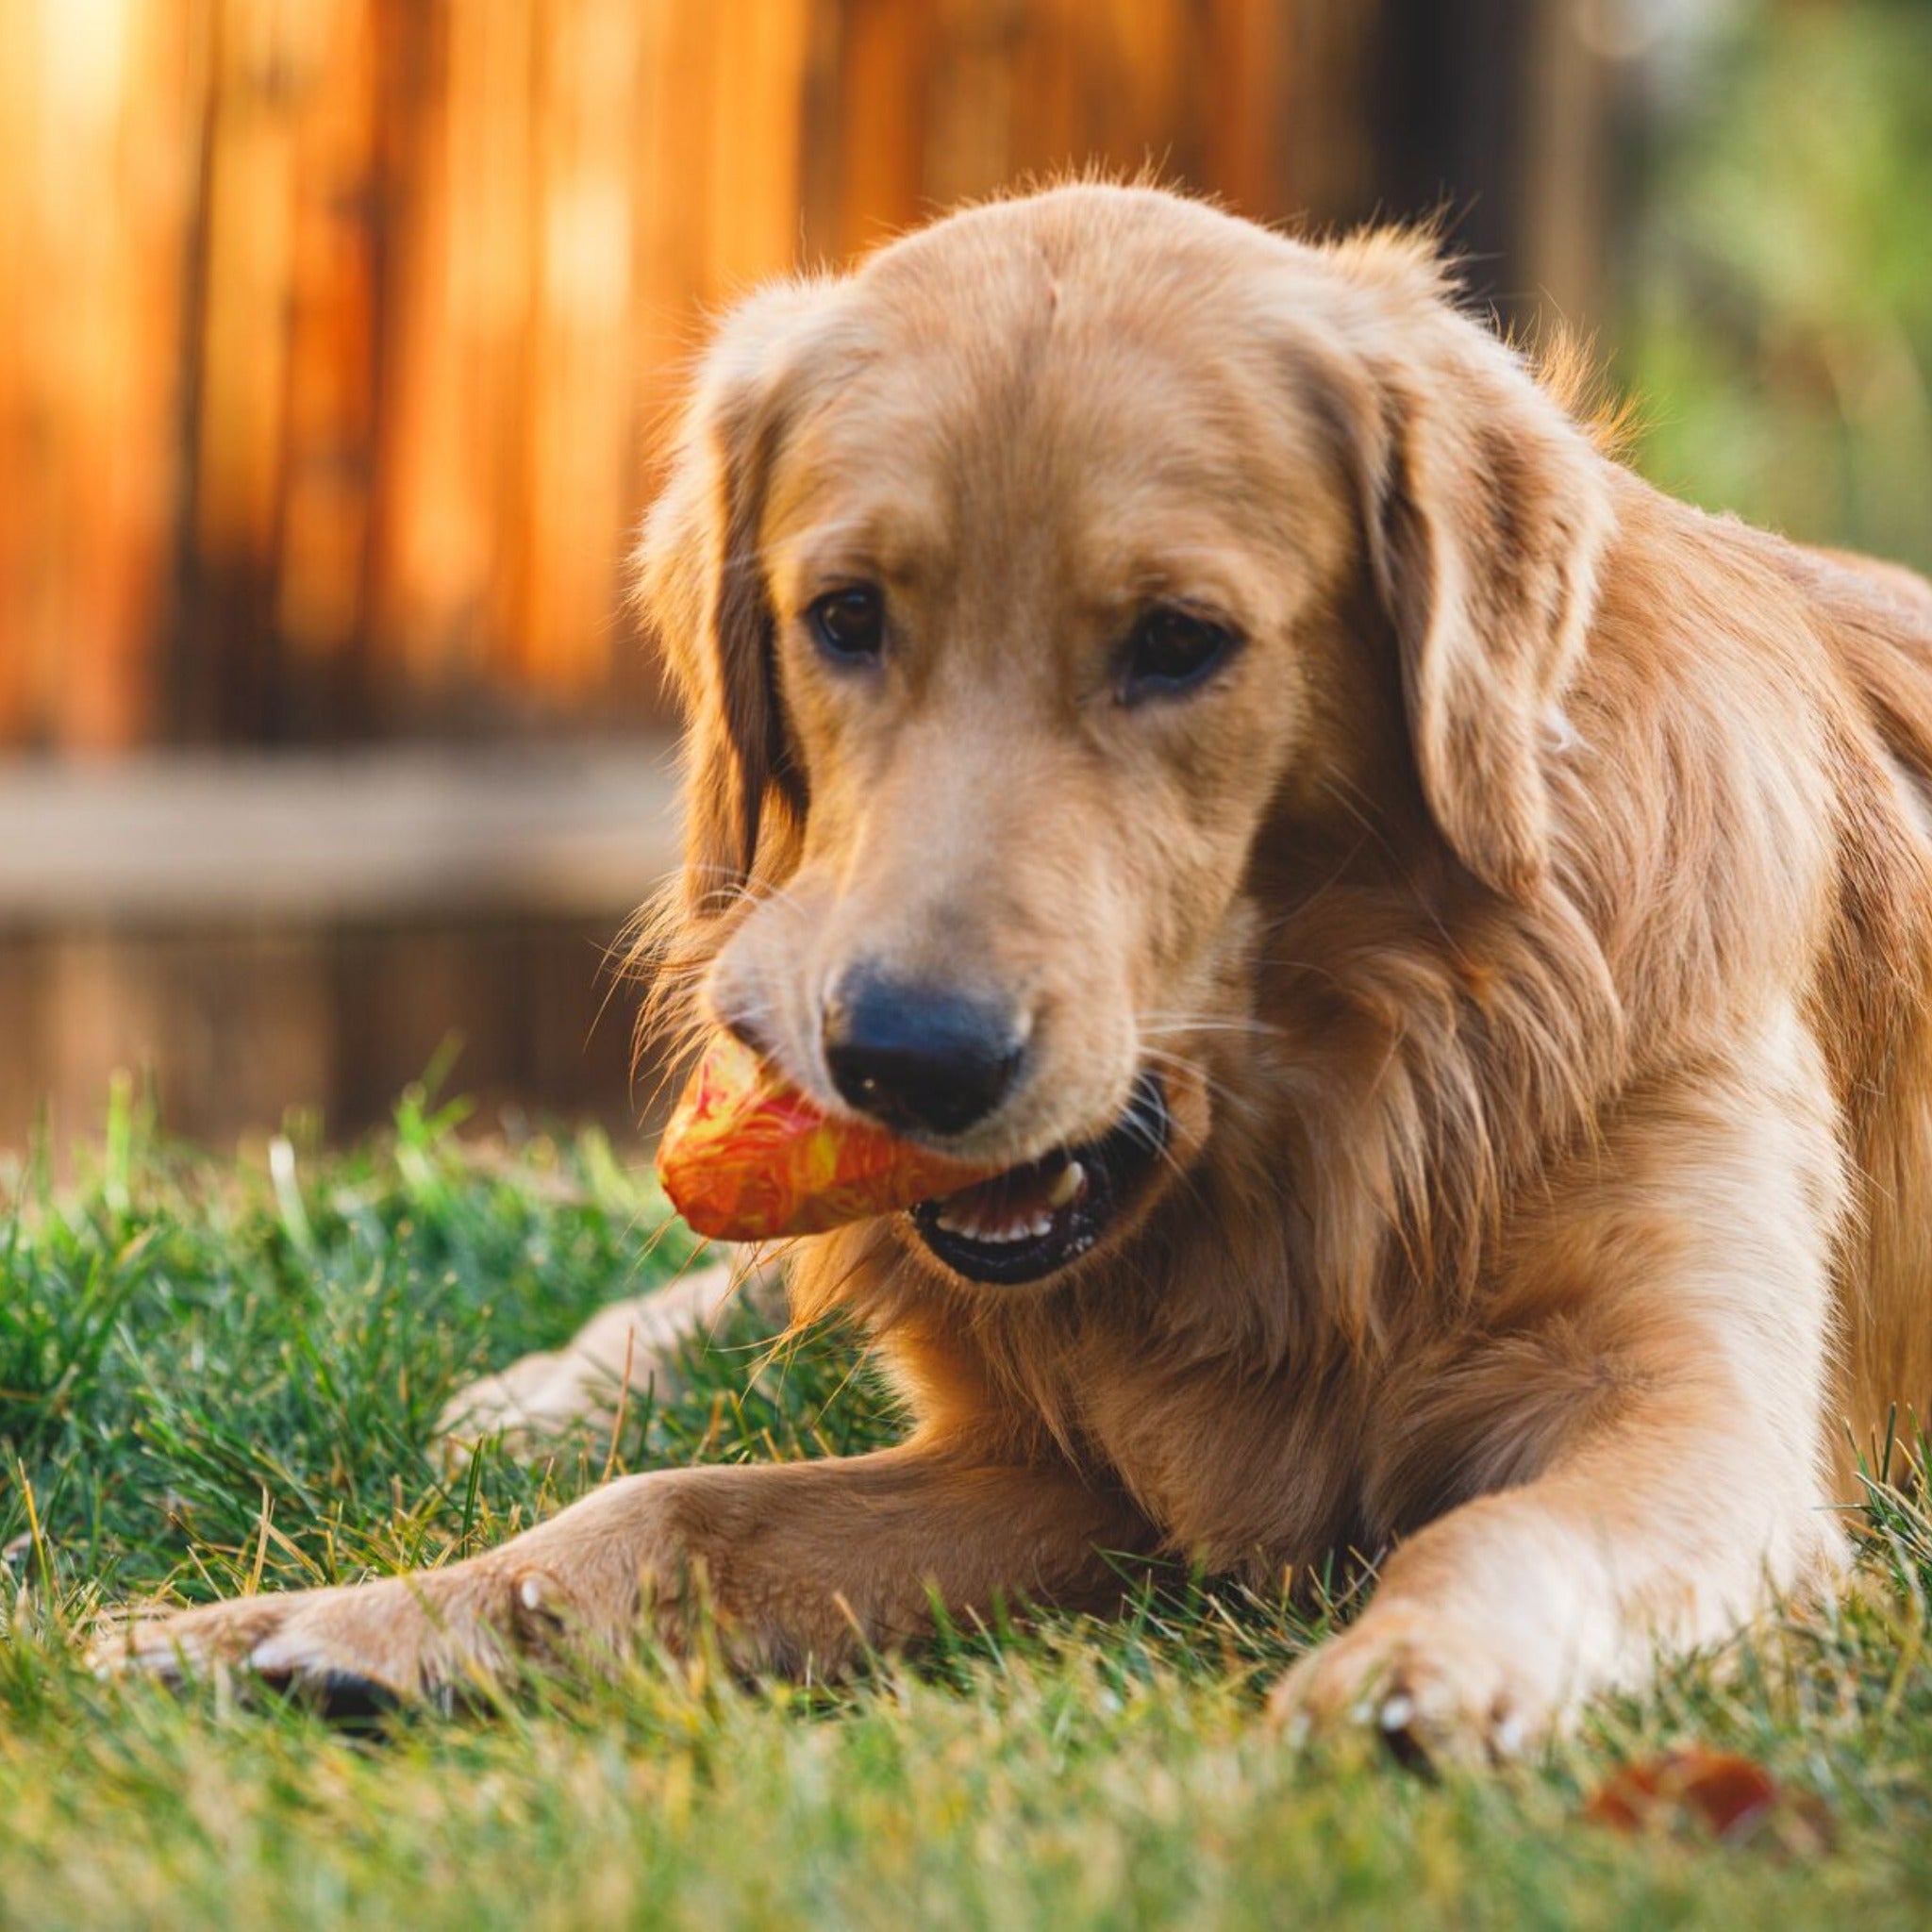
(917, 1056)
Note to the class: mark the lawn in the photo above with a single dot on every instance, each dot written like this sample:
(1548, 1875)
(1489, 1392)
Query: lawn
(219, 1376)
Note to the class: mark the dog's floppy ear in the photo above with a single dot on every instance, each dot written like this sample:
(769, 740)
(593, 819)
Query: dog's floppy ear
(702, 592)
(1485, 509)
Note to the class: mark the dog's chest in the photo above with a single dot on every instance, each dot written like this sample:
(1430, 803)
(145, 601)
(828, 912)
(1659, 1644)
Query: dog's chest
(1239, 1471)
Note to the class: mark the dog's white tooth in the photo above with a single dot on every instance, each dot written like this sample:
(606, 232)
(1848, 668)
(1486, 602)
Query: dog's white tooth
(1067, 1185)
(1043, 1226)
(973, 1230)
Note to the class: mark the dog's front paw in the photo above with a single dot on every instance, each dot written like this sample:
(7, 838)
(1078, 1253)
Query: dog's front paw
(439, 1635)
(1431, 1685)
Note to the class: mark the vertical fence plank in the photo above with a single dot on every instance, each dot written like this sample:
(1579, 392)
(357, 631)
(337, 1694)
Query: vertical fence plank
(330, 394)
(96, 110)
(24, 546)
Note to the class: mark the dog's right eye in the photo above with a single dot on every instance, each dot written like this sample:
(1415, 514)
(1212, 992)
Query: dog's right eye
(1172, 650)
(850, 624)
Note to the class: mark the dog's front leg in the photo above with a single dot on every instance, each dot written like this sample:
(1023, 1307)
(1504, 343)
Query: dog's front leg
(1648, 1412)
(803, 1565)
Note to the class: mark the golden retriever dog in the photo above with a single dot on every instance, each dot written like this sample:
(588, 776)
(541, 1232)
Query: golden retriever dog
(1434, 933)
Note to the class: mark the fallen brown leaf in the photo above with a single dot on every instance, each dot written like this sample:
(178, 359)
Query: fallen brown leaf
(1728, 1796)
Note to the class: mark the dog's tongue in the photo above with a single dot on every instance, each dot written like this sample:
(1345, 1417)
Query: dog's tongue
(746, 1157)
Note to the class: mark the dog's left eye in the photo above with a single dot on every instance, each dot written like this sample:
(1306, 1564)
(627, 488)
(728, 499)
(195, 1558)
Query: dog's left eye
(850, 624)
(1172, 650)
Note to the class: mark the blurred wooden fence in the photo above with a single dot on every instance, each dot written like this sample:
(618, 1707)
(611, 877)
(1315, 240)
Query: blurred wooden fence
(332, 332)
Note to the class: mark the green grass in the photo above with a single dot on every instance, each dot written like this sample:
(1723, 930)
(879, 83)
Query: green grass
(210, 1378)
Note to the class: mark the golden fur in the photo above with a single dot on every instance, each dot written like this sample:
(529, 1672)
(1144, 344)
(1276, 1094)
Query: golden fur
(1532, 921)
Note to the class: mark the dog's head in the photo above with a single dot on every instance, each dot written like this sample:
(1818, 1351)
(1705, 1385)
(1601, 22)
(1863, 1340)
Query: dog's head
(1034, 588)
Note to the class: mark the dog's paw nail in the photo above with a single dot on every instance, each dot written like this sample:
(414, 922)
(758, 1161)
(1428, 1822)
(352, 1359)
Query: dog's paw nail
(543, 1606)
(1508, 1736)
(278, 1656)
(1397, 1712)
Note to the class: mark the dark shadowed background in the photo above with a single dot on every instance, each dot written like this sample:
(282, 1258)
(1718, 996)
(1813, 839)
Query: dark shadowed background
(336, 339)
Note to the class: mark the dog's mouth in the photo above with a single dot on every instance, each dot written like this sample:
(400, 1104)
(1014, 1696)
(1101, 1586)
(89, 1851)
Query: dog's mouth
(1035, 1219)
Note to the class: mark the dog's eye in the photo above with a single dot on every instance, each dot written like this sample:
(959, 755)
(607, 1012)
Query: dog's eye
(1170, 651)
(850, 624)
